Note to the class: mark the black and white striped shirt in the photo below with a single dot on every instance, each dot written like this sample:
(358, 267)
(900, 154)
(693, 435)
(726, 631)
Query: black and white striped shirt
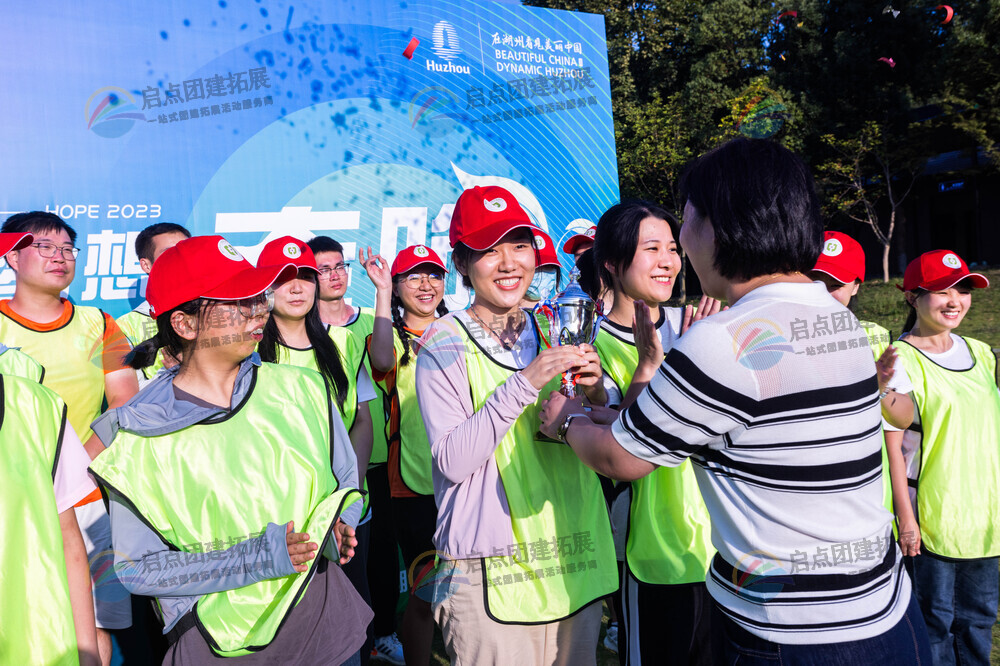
(776, 403)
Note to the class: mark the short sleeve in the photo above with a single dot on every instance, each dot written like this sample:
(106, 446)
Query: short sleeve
(71, 483)
(116, 346)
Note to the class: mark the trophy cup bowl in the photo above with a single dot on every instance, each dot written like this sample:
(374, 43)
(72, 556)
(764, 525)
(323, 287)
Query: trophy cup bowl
(574, 323)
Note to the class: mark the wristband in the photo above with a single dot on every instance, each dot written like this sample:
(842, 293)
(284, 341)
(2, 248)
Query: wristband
(881, 396)
(561, 432)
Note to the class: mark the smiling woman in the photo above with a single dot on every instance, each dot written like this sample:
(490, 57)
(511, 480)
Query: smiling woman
(479, 377)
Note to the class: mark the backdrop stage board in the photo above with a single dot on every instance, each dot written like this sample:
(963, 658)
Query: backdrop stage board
(359, 120)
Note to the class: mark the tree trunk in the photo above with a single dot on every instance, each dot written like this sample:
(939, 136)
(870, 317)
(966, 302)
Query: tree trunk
(885, 260)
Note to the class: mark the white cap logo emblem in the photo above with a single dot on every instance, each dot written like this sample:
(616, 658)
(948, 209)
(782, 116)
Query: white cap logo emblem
(951, 261)
(291, 250)
(497, 205)
(589, 233)
(832, 247)
(228, 251)
(420, 251)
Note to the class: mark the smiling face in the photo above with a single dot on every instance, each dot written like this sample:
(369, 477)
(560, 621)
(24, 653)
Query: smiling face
(501, 275)
(294, 299)
(655, 265)
(421, 298)
(940, 311)
(45, 274)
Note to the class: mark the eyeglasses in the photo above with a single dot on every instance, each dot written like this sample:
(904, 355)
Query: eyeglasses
(48, 250)
(257, 305)
(414, 280)
(343, 268)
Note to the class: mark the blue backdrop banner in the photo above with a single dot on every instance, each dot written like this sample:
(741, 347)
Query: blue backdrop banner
(358, 120)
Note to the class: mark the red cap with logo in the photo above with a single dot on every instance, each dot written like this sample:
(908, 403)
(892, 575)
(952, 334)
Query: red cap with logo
(545, 250)
(287, 250)
(577, 241)
(842, 258)
(207, 267)
(413, 256)
(938, 270)
(14, 241)
(484, 215)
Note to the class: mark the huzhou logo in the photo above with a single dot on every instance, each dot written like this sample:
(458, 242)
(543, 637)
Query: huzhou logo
(497, 205)
(445, 46)
(951, 261)
(832, 248)
(228, 251)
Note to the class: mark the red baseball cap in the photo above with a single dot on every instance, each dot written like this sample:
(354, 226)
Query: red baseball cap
(207, 267)
(484, 215)
(938, 270)
(14, 241)
(577, 240)
(545, 250)
(287, 250)
(413, 256)
(842, 258)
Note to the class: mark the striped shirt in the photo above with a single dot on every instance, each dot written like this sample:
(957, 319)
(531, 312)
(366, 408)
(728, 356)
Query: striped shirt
(776, 403)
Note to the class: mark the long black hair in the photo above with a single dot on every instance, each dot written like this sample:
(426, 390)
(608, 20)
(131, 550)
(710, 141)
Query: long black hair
(396, 306)
(617, 237)
(327, 355)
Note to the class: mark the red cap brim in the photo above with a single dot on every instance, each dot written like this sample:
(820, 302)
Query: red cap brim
(978, 282)
(406, 267)
(574, 243)
(13, 241)
(251, 282)
(486, 238)
(840, 276)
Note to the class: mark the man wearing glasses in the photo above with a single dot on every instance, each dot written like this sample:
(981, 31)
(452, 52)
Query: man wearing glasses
(82, 350)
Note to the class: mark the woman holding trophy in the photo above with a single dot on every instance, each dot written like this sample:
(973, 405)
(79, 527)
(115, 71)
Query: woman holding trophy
(665, 604)
(522, 530)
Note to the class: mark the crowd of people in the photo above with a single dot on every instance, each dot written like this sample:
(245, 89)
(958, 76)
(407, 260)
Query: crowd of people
(237, 468)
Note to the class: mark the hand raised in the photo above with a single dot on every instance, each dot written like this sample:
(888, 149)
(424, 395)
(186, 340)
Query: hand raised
(377, 269)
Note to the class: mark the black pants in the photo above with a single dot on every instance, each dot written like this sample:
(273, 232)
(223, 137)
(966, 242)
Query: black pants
(357, 573)
(383, 553)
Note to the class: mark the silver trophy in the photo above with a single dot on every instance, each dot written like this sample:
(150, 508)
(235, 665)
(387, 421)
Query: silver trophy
(572, 320)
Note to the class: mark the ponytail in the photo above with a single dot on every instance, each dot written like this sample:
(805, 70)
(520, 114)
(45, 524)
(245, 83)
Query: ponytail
(396, 305)
(143, 355)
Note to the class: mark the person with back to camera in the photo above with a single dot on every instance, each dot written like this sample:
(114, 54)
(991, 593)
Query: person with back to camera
(786, 445)
(952, 455)
(522, 526)
(666, 607)
(213, 467)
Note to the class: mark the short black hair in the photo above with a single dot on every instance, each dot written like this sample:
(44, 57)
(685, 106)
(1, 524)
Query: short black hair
(617, 236)
(762, 204)
(36, 222)
(144, 241)
(324, 244)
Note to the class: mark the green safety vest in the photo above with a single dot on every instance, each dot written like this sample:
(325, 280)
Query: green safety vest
(362, 327)
(36, 618)
(72, 357)
(958, 483)
(563, 557)
(17, 363)
(669, 529)
(879, 339)
(268, 461)
(414, 447)
(138, 328)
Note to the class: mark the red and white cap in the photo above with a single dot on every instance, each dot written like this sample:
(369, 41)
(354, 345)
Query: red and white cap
(484, 215)
(15, 241)
(287, 250)
(842, 258)
(545, 249)
(938, 270)
(576, 241)
(207, 267)
(413, 256)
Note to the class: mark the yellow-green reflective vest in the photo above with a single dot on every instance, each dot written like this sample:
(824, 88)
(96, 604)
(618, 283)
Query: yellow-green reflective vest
(17, 363)
(268, 461)
(958, 484)
(73, 361)
(669, 530)
(563, 557)
(414, 447)
(362, 327)
(36, 619)
(878, 339)
(138, 328)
